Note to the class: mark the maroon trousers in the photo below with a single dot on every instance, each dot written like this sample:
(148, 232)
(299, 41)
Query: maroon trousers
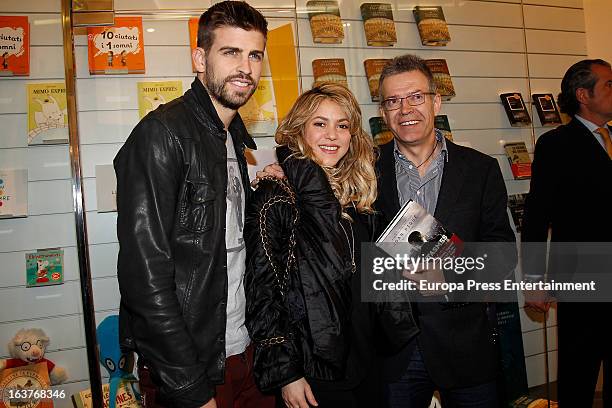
(238, 390)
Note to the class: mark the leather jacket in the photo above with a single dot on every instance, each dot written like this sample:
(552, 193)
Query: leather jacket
(171, 200)
(297, 316)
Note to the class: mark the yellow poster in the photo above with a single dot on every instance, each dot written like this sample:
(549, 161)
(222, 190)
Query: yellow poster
(47, 113)
(153, 94)
(258, 114)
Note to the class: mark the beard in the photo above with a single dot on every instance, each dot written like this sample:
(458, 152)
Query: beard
(218, 90)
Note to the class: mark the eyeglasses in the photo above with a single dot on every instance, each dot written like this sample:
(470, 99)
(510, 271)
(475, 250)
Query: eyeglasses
(415, 99)
(26, 345)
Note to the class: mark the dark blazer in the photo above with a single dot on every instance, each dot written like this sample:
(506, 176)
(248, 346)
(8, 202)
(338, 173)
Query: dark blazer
(455, 341)
(570, 185)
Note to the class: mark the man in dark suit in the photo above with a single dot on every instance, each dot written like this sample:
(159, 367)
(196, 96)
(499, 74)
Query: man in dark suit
(571, 176)
(464, 189)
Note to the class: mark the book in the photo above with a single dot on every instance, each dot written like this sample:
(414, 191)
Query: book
(442, 78)
(431, 25)
(426, 236)
(373, 69)
(259, 113)
(14, 45)
(515, 109)
(29, 378)
(193, 37)
(547, 109)
(325, 21)
(13, 193)
(329, 70)
(516, 204)
(47, 113)
(380, 132)
(126, 396)
(512, 382)
(378, 24)
(118, 49)
(153, 94)
(519, 159)
(106, 188)
(441, 123)
(45, 267)
(528, 402)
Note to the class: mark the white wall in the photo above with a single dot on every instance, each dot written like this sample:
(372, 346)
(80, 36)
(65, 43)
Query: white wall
(598, 28)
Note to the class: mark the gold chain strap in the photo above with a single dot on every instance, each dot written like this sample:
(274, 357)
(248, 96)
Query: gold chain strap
(281, 280)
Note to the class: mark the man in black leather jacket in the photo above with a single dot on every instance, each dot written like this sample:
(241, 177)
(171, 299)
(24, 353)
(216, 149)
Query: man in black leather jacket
(181, 264)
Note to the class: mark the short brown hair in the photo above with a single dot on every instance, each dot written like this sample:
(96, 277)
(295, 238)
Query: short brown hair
(406, 63)
(229, 14)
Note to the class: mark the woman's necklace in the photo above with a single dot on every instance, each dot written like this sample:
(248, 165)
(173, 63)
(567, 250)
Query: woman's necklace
(430, 154)
(351, 247)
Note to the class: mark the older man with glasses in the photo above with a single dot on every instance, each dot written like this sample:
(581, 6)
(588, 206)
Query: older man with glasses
(454, 351)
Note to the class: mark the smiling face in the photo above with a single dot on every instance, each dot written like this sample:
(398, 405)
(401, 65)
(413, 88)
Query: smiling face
(411, 125)
(232, 67)
(327, 133)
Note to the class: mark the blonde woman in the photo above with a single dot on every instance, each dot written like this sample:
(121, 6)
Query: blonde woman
(303, 235)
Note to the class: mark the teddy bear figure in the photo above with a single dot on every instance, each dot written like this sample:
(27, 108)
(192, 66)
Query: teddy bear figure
(28, 347)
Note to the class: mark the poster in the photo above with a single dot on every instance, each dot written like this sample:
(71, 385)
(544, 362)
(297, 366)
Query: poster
(14, 45)
(259, 114)
(118, 49)
(47, 113)
(13, 193)
(45, 267)
(153, 94)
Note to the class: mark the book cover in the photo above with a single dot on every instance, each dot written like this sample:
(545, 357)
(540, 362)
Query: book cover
(519, 159)
(14, 45)
(515, 109)
(153, 94)
(425, 234)
(373, 68)
(259, 113)
(45, 267)
(329, 70)
(380, 132)
(432, 25)
(47, 113)
(528, 402)
(516, 204)
(513, 379)
(118, 49)
(547, 109)
(193, 37)
(106, 188)
(325, 22)
(441, 123)
(13, 193)
(442, 78)
(29, 378)
(378, 24)
(126, 396)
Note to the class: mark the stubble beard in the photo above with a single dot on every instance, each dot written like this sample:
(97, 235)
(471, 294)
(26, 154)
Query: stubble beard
(218, 89)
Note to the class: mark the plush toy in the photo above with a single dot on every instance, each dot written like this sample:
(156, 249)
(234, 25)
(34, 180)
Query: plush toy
(118, 363)
(28, 347)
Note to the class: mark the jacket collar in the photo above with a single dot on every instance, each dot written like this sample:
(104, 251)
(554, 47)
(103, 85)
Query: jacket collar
(236, 127)
(452, 181)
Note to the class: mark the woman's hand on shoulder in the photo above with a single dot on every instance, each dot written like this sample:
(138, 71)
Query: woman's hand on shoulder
(274, 170)
(298, 394)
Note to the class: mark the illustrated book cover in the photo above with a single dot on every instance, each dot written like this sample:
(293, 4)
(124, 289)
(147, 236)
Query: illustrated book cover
(13, 193)
(441, 123)
(373, 68)
(47, 113)
(153, 94)
(431, 25)
(329, 70)
(380, 132)
(118, 49)
(378, 24)
(325, 21)
(547, 109)
(259, 113)
(442, 78)
(14, 45)
(515, 109)
(519, 159)
(45, 267)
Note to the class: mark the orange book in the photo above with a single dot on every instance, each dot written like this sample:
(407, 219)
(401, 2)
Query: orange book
(14, 45)
(118, 49)
(193, 36)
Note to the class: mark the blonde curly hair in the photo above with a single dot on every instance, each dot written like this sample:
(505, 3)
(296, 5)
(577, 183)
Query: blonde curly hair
(353, 179)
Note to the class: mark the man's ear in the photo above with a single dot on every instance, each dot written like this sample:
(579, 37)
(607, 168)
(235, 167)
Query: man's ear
(381, 112)
(437, 102)
(198, 56)
(582, 95)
